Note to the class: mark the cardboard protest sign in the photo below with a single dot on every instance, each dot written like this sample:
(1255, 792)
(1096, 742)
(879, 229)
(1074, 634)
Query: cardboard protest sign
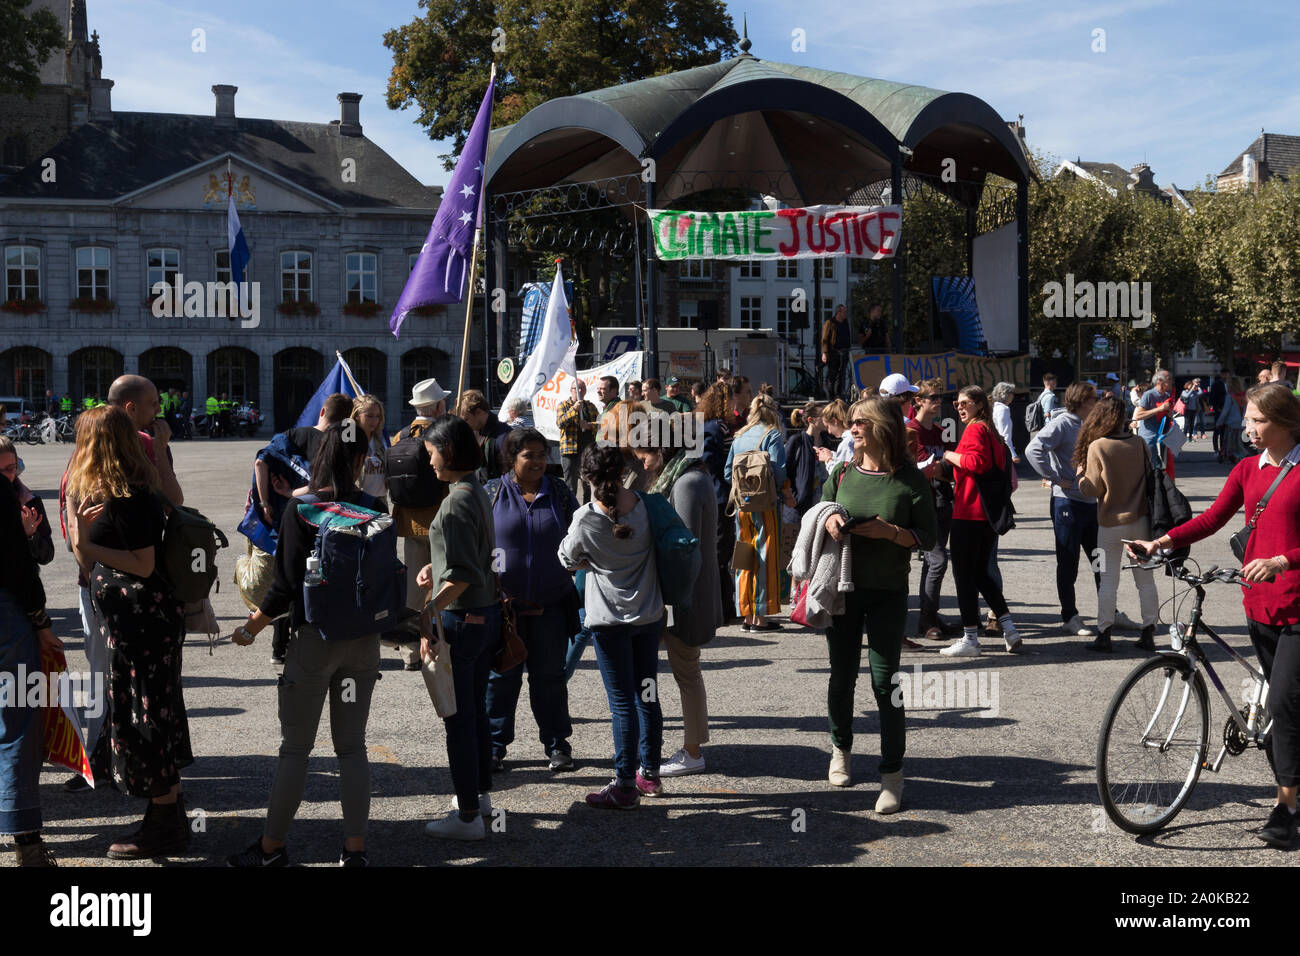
(64, 744)
(954, 369)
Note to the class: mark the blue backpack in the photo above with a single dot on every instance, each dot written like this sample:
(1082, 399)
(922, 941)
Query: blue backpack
(363, 585)
(677, 552)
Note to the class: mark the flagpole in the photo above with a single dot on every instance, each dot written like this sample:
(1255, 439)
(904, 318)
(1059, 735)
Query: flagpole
(348, 372)
(473, 270)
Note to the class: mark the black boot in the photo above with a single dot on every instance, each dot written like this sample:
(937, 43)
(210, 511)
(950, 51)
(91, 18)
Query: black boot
(33, 852)
(1147, 642)
(1102, 643)
(163, 831)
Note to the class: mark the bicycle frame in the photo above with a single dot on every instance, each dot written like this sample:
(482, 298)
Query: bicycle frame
(1197, 657)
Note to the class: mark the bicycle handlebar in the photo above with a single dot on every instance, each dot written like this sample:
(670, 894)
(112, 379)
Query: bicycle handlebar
(1213, 574)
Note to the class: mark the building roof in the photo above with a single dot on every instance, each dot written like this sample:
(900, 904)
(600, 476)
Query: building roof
(106, 159)
(1276, 153)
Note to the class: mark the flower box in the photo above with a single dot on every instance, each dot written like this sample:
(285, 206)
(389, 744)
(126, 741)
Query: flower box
(23, 306)
(296, 307)
(84, 304)
(364, 309)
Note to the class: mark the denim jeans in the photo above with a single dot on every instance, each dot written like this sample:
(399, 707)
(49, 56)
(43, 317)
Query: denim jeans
(469, 736)
(1074, 523)
(22, 728)
(547, 643)
(577, 645)
(628, 655)
(934, 565)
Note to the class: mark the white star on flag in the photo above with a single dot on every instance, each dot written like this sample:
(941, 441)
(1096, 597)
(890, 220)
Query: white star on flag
(465, 217)
(466, 191)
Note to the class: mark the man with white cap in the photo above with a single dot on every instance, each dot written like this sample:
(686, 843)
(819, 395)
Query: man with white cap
(898, 387)
(412, 520)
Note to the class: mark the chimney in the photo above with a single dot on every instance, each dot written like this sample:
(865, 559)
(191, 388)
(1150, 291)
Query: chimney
(1249, 171)
(225, 104)
(350, 114)
(101, 99)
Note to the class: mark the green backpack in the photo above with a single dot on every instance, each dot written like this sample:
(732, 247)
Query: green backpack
(188, 557)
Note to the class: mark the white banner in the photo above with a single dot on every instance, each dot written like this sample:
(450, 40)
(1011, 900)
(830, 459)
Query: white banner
(626, 368)
(554, 351)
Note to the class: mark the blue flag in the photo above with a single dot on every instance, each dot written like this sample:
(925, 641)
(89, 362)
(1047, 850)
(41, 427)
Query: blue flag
(443, 264)
(338, 379)
(238, 248)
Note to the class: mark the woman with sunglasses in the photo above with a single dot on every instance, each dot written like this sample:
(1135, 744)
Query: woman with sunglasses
(972, 538)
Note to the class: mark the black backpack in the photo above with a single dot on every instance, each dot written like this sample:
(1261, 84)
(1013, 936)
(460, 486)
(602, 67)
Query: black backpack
(187, 558)
(412, 482)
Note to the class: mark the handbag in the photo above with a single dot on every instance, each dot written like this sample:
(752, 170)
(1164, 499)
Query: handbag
(511, 652)
(994, 487)
(438, 678)
(800, 613)
(1171, 436)
(1239, 540)
(744, 557)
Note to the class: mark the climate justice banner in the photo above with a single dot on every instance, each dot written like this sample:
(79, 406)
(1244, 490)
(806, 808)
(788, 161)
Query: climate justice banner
(954, 369)
(807, 232)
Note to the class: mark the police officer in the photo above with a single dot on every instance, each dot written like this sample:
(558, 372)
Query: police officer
(65, 404)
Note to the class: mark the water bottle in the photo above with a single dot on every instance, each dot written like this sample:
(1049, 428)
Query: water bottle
(313, 576)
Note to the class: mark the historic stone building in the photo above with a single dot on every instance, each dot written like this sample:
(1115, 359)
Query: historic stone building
(94, 214)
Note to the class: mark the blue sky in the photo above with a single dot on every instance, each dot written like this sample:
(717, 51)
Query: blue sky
(1183, 85)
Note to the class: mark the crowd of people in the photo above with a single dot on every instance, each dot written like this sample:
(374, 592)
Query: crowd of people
(819, 515)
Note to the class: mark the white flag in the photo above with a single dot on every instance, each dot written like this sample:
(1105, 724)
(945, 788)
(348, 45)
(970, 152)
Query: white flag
(552, 353)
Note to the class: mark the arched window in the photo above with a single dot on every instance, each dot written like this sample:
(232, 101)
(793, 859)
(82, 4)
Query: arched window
(232, 371)
(25, 371)
(370, 369)
(167, 367)
(417, 365)
(92, 370)
(298, 373)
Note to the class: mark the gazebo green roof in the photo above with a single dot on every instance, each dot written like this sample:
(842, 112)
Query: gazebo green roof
(745, 114)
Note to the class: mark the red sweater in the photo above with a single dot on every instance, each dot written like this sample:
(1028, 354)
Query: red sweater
(980, 449)
(1275, 602)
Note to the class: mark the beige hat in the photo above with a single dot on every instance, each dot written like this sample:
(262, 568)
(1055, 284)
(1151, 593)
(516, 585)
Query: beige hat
(427, 392)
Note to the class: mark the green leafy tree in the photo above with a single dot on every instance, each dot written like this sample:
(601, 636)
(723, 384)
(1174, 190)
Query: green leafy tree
(547, 49)
(26, 41)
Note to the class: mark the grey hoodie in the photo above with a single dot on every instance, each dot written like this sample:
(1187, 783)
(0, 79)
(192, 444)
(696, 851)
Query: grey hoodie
(1050, 451)
(623, 582)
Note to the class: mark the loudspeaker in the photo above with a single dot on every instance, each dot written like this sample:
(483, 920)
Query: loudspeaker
(707, 316)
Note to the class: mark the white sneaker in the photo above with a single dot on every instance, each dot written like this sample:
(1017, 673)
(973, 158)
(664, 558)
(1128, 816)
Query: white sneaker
(1076, 627)
(452, 827)
(1125, 623)
(1011, 640)
(680, 764)
(965, 647)
(484, 804)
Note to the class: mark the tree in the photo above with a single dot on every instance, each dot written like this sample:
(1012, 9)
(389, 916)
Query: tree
(548, 49)
(545, 49)
(26, 41)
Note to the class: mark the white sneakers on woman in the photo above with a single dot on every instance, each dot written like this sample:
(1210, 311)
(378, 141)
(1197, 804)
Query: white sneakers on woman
(962, 647)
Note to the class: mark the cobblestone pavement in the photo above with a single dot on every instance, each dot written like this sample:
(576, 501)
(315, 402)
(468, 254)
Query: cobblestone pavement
(1011, 782)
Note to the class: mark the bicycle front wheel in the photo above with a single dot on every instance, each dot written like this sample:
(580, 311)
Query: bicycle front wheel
(1152, 744)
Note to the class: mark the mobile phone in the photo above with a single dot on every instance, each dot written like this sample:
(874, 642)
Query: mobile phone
(854, 522)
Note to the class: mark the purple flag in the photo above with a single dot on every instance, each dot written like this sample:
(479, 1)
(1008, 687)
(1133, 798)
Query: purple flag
(439, 274)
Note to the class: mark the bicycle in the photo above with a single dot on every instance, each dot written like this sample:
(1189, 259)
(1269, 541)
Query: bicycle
(1155, 736)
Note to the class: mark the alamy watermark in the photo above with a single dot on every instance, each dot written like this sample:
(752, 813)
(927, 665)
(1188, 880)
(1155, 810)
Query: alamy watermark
(218, 300)
(641, 429)
(1098, 300)
(947, 690)
(82, 691)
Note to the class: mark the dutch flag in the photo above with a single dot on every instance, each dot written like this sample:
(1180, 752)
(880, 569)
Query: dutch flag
(238, 246)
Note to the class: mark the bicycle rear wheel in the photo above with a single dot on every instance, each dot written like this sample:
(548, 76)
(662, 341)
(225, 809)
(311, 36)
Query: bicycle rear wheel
(1152, 744)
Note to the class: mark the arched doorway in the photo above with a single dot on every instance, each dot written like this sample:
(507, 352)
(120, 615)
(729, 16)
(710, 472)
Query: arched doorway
(167, 368)
(25, 372)
(370, 369)
(232, 371)
(417, 365)
(298, 373)
(91, 371)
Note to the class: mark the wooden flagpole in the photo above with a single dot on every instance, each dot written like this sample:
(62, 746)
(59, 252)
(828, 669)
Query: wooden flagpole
(473, 270)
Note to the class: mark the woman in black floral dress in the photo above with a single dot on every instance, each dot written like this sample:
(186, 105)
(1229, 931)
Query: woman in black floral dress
(116, 534)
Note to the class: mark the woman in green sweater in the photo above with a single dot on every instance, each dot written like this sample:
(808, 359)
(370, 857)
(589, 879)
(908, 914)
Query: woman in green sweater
(891, 511)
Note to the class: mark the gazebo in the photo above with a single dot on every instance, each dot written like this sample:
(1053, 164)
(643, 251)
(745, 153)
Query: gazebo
(800, 135)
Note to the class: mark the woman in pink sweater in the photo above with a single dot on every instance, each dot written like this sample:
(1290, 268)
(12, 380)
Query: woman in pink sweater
(1111, 464)
(1272, 566)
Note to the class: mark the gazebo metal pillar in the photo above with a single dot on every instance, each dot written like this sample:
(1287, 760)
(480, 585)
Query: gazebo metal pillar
(651, 315)
(1022, 264)
(498, 276)
(896, 196)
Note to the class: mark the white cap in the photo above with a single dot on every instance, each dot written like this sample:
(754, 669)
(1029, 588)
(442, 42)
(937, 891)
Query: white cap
(896, 384)
(428, 392)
